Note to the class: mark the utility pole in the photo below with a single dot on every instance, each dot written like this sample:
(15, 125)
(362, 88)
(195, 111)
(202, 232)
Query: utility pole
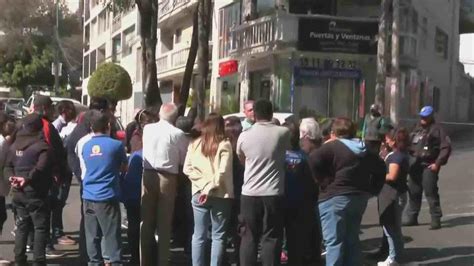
(56, 56)
(395, 85)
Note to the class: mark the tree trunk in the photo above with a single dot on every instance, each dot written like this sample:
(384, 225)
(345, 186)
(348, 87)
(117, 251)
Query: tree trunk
(395, 88)
(148, 10)
(204, 19)
(382, 53)
(188, 71)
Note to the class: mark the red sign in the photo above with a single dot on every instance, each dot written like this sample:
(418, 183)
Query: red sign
(228, 67)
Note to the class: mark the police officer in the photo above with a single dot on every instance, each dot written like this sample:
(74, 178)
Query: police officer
(374, 129)
(431, 148)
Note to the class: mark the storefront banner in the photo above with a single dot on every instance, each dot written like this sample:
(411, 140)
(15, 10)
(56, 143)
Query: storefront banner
(228, 68)
(337, 36)
(327, 73)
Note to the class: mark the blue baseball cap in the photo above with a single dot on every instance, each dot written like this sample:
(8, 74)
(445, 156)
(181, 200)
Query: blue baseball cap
(426, 111)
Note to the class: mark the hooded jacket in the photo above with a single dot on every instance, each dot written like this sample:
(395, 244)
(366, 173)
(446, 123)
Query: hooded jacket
(29, 157)
(344, 167)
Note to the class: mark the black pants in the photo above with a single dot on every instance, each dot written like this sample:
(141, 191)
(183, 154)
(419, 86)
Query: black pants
(31, 211)
(422, 178)
(261, 221)
(133, 231)
(3, 213)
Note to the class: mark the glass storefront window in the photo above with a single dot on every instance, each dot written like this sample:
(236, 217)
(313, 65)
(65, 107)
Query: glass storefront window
(230, 96)
(342, 98)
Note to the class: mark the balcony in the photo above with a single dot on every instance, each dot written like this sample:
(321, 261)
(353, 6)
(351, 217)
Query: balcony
(169, 8)
(173, 62)
(264, 35)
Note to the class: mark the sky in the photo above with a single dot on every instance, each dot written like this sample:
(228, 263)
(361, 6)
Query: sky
(73, 5)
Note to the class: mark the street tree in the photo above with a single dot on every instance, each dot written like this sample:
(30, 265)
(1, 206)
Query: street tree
(148, 11)
(28, 43)
(110, 81)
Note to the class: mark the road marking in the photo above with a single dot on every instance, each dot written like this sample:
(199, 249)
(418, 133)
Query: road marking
(459, 214)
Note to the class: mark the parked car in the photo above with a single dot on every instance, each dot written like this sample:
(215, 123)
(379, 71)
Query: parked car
(12, 107)
(79, 107)
(282, 117)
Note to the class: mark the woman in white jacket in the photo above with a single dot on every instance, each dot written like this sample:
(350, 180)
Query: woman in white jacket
(208, 165)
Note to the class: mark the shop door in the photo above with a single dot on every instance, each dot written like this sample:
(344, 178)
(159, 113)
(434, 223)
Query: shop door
(342, 98)
(312, 95)
(260, 85)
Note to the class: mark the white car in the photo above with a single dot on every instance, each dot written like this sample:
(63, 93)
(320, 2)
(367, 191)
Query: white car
(79, 107)
(282, 117)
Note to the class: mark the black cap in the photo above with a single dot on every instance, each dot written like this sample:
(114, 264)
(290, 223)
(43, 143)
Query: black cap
(32, 123)
(42, 101)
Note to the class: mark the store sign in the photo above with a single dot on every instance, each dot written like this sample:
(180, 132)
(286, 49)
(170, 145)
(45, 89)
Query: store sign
(328, 73)
(228, 68)
(337, 36)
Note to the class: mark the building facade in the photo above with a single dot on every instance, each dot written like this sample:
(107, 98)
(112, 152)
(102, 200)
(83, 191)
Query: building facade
(316, 57)
(321, 57)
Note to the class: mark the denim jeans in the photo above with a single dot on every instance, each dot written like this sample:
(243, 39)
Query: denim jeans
(214, 212)
(340, 219)
(3, 213)
(104, 217)
(31, 211)
(133, 231)
(393, 229)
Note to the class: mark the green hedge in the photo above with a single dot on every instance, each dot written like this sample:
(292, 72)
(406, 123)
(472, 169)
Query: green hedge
(110, 81)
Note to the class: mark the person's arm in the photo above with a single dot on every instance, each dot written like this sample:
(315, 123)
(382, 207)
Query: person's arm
(224, 167)
(319, 162)
(445, 148)
(239, 151)
(123, 159)
(183, 144)
(393, 170)
(60, 156)
(188, 164)
(9, 170)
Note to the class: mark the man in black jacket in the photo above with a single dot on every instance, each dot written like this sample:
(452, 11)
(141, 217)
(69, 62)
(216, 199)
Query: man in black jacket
(43, 106)
(431, 149)
(29, 168)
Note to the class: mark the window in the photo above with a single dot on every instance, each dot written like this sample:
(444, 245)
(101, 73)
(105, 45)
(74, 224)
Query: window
(325, 7)
(177, 36)
(424, 29)
(87, 37)
(436, 98)
(103, 21)
(139, 65)
(229, 17)
(85, 68)
(441, 43)
(128, 39)
(101, 54)
(93, 62)
(94, 29)
(116, 48)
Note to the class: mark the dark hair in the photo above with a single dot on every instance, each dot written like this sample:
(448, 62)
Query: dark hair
(401, 138)
(294, 134)
(143, 118)
(101, 124)
(263, 110)
(326, 128)
(65, 105)
(3, 118)
(344, 128)
(185, 124)
(233, 128)
(98, 103)
(212, 133)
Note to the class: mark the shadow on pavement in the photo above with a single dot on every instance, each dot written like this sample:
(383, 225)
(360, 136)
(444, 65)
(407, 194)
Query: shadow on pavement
(458, 221)
(444, 255)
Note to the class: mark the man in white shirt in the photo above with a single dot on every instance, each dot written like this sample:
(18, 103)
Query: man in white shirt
(164, 151)
(67, 113)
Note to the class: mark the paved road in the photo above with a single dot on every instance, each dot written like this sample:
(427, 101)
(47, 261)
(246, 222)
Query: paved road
(452, 245)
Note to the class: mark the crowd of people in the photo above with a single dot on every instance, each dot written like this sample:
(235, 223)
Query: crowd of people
(289, 193)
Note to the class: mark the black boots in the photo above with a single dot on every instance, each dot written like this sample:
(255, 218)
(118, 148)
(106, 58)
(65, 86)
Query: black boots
(435, 223)
(410, 221)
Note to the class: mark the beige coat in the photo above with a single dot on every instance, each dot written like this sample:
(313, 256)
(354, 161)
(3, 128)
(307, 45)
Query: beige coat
(211, 176)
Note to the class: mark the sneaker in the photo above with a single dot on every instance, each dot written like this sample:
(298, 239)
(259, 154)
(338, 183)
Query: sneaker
(323, 253)
(388, 262)
(29, 249)
(66, 241)
(124, 225)
(283, 257)
(52, 253)
(4, 262)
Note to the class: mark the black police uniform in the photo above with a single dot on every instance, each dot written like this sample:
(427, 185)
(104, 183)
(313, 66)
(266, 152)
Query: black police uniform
(429, 145)
(374, 130)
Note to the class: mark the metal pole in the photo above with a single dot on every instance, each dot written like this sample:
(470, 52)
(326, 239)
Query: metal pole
(56, 56)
